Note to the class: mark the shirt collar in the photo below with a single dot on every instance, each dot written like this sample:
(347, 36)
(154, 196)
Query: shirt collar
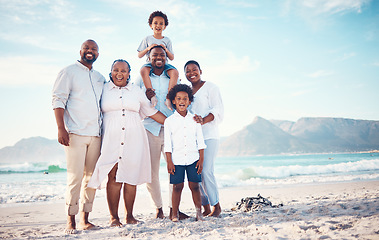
(78, 63)
(187, 116)
(111, 85)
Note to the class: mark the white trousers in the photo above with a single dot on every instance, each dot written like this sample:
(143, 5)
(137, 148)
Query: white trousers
(208, 187)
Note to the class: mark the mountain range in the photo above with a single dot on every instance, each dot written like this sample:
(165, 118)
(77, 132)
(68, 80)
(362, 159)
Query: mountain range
(261, 137)
(307, 135)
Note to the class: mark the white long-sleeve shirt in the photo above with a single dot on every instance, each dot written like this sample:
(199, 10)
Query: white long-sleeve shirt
(78, 91)
(208, 100)
(183, 138)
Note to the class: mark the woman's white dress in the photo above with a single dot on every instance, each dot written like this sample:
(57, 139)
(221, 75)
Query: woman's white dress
(124, 136)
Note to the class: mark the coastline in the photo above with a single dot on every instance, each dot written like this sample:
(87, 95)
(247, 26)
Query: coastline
(311, 211)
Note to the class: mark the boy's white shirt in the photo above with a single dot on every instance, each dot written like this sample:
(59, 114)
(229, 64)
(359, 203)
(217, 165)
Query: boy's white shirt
(183, 138)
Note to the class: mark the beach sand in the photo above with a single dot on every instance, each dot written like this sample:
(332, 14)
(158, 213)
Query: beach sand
(347, 210)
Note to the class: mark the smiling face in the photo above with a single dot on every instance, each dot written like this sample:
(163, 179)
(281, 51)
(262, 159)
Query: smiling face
(158, 25)
(89, 52)
(158, 57)
(193, 73)
(181, 102)
(120, 74)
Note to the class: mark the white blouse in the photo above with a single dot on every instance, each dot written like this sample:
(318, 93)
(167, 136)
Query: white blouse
(208, 100)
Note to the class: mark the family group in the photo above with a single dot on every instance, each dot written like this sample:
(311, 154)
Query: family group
(115, 131)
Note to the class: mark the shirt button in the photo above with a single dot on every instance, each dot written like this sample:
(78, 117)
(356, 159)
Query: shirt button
(120, 96)
(123, 114)
(123, 128)
(119, 157)
(122, 143)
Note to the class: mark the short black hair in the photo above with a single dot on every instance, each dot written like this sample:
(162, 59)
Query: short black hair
(192, 62)
(158, 14)
(180, 88)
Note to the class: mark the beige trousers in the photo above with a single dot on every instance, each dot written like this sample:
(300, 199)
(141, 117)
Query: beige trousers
(156, 144)
(81, 156)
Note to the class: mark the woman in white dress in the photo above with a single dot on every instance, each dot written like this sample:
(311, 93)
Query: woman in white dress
(125, 156)
(209, 112)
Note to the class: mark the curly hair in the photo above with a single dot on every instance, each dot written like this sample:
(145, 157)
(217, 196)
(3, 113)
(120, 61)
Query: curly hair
(180, 88)
(158, 14)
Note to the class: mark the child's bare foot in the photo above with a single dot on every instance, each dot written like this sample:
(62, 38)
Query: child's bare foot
(216, 211)
(207, 210)
(159, 213)
(115, 222)
(131, 220)
(199, 215)
(71, 225)
(175, 219)
(183, 216)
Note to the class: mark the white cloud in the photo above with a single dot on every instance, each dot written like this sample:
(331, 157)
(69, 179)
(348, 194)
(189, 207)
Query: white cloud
(347, 56)
(27, 70)
(334, 6)
(320, 73)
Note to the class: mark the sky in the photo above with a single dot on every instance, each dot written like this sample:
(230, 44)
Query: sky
(277, 59)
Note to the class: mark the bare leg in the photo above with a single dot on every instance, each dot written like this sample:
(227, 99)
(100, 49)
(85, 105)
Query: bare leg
(207, 210)
(176, 195)
(216, 210)
(174, 75)
(145, 71)
(113, 197)
(129, 197)
(71, 225)
(84, 224)
(195, 189)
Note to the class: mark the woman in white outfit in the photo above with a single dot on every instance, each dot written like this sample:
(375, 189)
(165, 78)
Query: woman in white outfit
(209, 111)
(125, 157)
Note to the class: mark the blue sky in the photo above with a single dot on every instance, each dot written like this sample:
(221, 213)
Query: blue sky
(275, 59)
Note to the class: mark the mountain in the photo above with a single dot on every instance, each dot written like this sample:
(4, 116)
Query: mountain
(36, 149)
(307, 135)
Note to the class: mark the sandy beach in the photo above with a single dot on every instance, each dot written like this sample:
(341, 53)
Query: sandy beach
(348, 210)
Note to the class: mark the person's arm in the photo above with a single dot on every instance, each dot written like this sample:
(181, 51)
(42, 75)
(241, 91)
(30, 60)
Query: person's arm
(170, 164)
(209, 118)
(168, 53)
(63, 137)
(199, 164)
(159, 117)
(146, 50)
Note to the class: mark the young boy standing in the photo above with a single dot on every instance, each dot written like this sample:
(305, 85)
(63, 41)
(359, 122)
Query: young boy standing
(184, 147)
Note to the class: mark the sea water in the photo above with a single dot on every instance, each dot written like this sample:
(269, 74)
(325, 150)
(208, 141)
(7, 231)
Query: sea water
(46, 182)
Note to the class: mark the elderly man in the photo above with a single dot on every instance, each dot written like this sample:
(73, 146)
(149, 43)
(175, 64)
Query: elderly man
(76, 103)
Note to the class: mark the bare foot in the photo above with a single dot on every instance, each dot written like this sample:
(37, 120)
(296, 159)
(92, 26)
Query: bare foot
(199, 216)
(207, 210)
(183, 216)
(175, 219)
(131, 220)
(216, 211)
(86, 226)
(159, 213)
(71, 225)
(115, 222)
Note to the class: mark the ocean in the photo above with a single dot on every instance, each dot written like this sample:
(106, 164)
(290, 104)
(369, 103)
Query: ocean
(45, 182)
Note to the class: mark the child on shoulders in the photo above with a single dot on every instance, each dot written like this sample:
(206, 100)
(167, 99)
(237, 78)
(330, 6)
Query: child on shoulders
(184, 148)
(158, 22)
